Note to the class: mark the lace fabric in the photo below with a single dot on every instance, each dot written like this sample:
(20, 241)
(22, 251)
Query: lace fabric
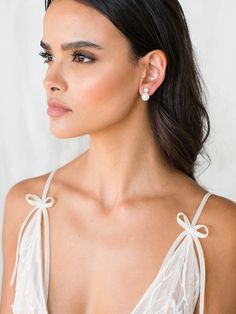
(175, 289)
(29, 293)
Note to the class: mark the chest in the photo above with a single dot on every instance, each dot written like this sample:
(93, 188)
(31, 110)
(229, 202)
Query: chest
(103, 264)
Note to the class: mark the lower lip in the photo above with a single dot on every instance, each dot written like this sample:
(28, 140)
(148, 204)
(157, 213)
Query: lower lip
(57, 111)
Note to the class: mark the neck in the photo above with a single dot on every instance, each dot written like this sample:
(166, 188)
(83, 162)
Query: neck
(124, 161)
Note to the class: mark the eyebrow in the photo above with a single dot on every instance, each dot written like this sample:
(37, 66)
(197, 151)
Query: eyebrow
(72, 45)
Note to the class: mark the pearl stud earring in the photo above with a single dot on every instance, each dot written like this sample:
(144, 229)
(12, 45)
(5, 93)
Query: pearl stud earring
(145, 96)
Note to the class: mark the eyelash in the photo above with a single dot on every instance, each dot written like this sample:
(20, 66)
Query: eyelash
(75, 54)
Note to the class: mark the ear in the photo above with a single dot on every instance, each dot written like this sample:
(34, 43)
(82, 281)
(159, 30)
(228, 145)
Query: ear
(154, 64)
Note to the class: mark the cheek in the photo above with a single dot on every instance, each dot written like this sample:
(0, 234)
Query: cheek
(100, 96)
(105, 93)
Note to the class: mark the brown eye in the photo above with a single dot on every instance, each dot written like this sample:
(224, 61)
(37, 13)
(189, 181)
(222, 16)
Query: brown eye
(81, 58)
(46, 56)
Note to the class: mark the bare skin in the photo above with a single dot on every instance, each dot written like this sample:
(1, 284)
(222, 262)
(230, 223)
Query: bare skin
(114, 219)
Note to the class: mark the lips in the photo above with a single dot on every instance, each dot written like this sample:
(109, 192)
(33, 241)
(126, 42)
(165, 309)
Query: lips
(57, 109)
(57, 105)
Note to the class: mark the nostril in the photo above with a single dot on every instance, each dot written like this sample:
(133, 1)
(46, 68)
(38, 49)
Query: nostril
(54, 88)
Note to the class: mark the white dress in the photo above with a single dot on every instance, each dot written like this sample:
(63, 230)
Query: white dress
(174, 290)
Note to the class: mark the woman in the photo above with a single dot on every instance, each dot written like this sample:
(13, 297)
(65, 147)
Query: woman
(128, 220)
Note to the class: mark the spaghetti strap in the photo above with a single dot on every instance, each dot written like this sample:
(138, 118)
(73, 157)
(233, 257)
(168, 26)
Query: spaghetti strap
(47, 184)
(40, 204)
(192, 230)
(200, 208)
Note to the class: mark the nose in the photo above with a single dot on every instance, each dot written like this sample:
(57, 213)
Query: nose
(54, 82)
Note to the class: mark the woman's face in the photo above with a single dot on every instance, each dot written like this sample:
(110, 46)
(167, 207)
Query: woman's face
(99, 85)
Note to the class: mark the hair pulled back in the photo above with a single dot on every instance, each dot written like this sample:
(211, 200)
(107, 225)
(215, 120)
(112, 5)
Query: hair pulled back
(176, 110)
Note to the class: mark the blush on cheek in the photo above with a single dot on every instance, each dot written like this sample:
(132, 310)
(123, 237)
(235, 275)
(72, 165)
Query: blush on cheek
(107, 83)
(103, 97)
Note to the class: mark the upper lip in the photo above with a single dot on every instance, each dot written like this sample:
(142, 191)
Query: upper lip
(57, 103)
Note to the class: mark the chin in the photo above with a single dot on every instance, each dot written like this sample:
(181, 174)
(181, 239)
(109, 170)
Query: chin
(64, 133)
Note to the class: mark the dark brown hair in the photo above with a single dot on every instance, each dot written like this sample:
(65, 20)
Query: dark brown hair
(176, 110)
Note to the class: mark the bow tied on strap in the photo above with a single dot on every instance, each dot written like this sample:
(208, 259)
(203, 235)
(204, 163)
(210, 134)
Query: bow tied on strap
(42, 204)
(35, 200)
(192, 229)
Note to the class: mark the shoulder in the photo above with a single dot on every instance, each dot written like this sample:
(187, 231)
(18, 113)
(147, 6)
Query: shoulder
(220, 215)
(221, 202)
(219, 249)
(15, 211)
(15, 205)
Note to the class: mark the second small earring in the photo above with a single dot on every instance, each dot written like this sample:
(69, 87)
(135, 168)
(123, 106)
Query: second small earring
(145, 96)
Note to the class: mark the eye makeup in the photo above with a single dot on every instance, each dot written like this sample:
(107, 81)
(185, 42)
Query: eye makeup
(78, 57)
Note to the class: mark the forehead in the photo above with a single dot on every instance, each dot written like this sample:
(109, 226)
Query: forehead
(68, 20)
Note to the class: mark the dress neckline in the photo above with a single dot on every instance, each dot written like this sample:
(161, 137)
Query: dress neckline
(156, 278)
